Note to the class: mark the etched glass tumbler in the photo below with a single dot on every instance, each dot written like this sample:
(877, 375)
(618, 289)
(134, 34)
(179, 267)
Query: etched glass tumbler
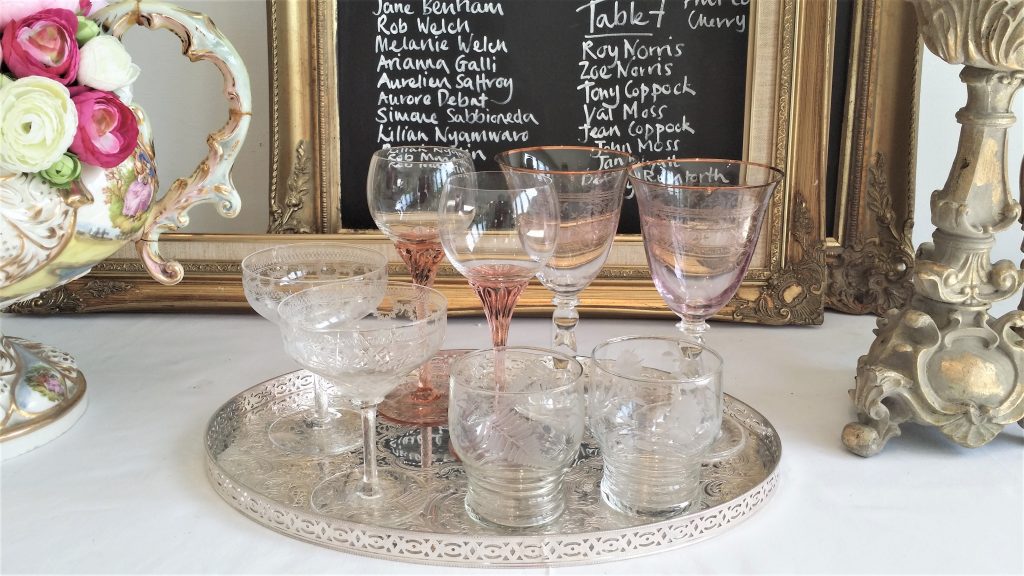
(271, 275)
(403, 189)
(589, 184)
(498, 232)
(654, 407)
(365, 357)
(516, 422)
(701, 220)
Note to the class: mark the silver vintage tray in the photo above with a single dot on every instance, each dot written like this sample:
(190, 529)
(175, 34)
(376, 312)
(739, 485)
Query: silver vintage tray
(272, 488)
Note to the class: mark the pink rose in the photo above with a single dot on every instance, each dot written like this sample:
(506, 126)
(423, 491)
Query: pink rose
(43, 44)
(18, 9)
(137, 198)
(107, 129)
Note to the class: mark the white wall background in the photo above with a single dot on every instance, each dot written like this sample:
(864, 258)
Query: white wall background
(184, 102)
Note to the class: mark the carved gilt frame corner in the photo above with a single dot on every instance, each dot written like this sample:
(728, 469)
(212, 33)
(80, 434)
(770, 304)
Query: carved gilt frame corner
(871, 255)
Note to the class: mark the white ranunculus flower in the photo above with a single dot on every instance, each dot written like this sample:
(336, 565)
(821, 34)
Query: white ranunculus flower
(104, 64)
(125, 95)
(38, 122)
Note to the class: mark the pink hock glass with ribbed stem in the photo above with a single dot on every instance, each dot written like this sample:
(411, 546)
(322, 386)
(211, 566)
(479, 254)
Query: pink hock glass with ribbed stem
(701, 219)
(403, 188)
(498, 232)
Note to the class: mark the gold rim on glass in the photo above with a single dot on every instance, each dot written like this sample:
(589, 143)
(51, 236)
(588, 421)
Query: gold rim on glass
(631, 160)
(472, 179)
(779, 174)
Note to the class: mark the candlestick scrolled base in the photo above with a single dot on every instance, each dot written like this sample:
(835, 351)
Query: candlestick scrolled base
(953, 368)
(879, 411)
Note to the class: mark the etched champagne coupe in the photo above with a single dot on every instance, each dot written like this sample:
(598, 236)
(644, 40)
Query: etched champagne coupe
(365, 357)
(271, 275)
(403, 189)
(701, 219)
(498, 232)
(589, 184)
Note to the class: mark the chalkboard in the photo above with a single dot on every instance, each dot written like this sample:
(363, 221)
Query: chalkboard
(658, 78)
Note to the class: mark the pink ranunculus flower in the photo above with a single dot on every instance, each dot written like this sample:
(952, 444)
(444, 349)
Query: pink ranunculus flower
(138, 198)
(43, 44)
(18, 9)
(107, 129)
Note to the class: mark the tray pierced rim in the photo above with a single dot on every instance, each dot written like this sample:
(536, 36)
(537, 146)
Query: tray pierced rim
(514, 550)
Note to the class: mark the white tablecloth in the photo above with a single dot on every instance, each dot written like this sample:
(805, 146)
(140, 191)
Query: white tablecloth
(125, 491)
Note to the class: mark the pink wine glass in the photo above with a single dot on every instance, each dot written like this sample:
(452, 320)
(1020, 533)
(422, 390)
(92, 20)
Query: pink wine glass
(403, 189)
(701, 220)
(589, 184)
(498, 232)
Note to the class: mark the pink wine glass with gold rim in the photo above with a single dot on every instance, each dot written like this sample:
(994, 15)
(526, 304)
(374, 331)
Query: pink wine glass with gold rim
(403, 189)
(588, 184)
(498, 232)
(701, 219)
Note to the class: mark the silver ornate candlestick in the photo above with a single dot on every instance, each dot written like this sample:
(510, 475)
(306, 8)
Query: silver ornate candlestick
(943, 360)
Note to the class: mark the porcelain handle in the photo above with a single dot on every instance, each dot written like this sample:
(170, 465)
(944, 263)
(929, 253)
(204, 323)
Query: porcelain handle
(211, 180)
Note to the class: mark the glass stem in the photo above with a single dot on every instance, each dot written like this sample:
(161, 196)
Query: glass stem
(320, 410)
(693, 329)
(499, 302)
(370, 487)
(564, 322)
(426, 447)
(422, 261)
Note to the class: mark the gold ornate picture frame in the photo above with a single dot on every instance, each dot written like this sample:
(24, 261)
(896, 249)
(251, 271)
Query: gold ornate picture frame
(870, 251)
(859, 264)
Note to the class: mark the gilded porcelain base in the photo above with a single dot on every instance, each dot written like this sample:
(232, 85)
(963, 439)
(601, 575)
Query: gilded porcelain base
(42, 394)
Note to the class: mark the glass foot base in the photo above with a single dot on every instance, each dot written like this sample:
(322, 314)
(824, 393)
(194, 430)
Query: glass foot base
(399, 496)
(653, 512)
(731, 439)
(412, 405)
(298, 433)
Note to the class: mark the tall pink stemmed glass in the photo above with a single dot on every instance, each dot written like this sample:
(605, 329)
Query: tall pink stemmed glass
(589, 184)
(403, 189)
(498, 232)
(700, 220)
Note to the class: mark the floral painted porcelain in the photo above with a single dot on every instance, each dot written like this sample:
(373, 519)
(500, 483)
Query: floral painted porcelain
(50, 235)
